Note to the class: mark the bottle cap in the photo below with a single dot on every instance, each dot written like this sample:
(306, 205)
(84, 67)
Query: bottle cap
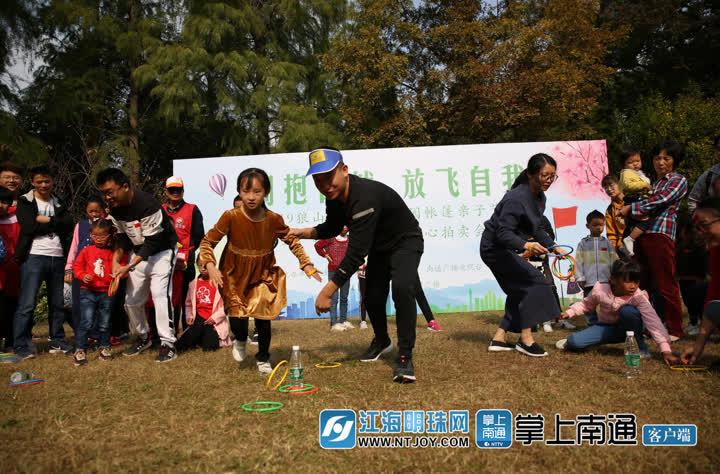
(296, 348)
(629, 333)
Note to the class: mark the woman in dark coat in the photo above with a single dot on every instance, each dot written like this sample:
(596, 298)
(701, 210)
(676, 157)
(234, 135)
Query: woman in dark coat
(513, 232)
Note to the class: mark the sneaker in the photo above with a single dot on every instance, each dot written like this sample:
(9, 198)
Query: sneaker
(348, 325)
(79, 358)
(547, 327)
(499, 346)
(238, 351)
(105, 353)
(645, 354)
(434, 326)
(139, 346)
(375, 350)
(254, 339)
(674, 338)
(166, 354)
(535, 350)
(564, 324)
(561, 344)
(60, 347)
(338, 327)
(404, 371)
(629, 245)
(264, 368)
(23, 354)
(363, 325)
(692, 330)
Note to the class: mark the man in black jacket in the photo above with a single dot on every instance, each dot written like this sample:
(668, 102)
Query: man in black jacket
(144, 231)
(45, 234)
(383, 229)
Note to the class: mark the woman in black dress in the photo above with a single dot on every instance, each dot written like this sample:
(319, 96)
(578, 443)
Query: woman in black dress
(514, 230)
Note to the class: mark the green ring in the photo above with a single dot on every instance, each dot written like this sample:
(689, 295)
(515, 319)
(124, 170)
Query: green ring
(263, 406)
(306, 387)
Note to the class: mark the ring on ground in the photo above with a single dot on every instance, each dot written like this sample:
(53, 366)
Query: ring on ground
(262, 406)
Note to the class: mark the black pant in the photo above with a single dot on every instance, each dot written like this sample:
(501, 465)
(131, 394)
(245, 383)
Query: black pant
(239, 328)
(119, 320)
(8, 305)
(693, 295)
(399, 266)
(423, 302)
(200, 334)
(363, 311)
(188, 276)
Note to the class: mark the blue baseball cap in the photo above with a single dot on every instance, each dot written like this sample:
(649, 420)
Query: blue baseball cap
(323, 160)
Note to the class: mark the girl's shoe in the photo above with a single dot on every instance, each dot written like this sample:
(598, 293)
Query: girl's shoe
(264, 368)
(363, 325)
(547, 327)
(238, 350)
(434, 326)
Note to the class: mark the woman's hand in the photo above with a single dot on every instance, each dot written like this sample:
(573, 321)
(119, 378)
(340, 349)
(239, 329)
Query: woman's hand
(535, 248)
(689, 356)
(670, 358)
(214, 275)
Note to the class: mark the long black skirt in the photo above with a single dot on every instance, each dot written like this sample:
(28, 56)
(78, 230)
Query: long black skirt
(530, 300)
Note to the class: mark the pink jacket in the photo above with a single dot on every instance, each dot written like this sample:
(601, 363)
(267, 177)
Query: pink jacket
(218, 314)
(609, 309)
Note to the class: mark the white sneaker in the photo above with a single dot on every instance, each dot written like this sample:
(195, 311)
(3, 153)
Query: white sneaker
(264, 368)
(363, 325)
(645, 354)
(547, 327)
(338, 327)
(566, 324)
(238, 351)
(692, 330)
(561, 344)
(348, 325)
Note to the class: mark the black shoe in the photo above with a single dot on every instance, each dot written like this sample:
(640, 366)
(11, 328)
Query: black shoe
(166, 354)
(60, 347)
(535, 350)
(404, 370)
(499, 346)
(375, 350)
(139, 346)
(25, 353)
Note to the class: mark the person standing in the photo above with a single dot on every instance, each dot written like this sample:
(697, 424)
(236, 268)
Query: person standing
(334, 250)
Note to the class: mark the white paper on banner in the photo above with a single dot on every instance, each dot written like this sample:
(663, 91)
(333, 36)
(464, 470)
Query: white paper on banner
(452, 190)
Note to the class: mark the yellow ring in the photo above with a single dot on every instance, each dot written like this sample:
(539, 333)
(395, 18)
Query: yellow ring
(272, 374)
(689, 368)
(328, 365)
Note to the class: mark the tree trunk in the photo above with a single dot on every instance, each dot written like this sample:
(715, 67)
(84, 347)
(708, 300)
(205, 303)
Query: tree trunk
(133, 150)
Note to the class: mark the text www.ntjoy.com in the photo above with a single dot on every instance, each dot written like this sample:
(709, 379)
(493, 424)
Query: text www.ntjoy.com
(413, 442)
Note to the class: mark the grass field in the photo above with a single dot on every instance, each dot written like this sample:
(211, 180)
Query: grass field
(134, 415)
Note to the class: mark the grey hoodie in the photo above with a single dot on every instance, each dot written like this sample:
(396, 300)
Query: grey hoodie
(703, 187)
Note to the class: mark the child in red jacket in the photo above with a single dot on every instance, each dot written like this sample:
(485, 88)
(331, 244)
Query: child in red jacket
(93, 268)
(9, 268)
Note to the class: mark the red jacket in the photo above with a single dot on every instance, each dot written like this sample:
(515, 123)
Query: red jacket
(97, 263)
(335, 248)
(9, 268)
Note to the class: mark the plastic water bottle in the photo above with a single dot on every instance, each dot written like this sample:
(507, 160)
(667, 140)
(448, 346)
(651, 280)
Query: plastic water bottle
(632, 356)
(20, 376)
(296, 367)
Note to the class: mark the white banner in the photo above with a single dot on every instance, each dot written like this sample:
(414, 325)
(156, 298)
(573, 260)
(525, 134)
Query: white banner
(452, 190)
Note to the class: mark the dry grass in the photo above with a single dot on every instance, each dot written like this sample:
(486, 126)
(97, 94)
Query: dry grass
(133, 415)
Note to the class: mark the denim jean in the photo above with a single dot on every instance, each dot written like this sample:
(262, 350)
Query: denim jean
(342, 294)
(35, 270)
(95, 312)
(602, 333)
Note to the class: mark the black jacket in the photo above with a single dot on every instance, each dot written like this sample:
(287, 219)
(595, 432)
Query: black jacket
(27, 211)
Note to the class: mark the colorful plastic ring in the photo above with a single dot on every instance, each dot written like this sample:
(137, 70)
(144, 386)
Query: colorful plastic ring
(262, 406)
(272, 375)
(555, 268)
(328, 365)
(306, 387)
(568, 250)
(689, 368)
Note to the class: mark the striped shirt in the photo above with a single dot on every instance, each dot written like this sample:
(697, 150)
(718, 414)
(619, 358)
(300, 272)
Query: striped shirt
(662, 206)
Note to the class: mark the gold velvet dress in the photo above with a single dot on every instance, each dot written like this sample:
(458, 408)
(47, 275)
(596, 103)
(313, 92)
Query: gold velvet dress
(253, 285)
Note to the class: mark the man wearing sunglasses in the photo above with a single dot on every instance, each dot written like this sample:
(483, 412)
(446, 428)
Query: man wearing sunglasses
(188, 221)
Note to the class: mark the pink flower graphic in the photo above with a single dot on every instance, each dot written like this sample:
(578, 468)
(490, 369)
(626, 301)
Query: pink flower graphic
(581, 167)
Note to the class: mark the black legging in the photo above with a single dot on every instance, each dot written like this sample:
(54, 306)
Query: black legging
(239, 327)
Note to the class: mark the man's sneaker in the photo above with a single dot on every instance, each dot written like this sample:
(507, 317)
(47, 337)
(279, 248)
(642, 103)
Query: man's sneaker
(348, 325)
(105, 353)
(547, 327)
(264, 368)
(60, 347)
(561, 344)
(23, 354)
(139, 346)
(338, 327)
(80, 358)
(254, 338)
(166, 354)
(535, 350)
(692, 330)
(499, 346)
(404, 371)
(434, 326)
(563, 324)
(375, 350)
(238, 351)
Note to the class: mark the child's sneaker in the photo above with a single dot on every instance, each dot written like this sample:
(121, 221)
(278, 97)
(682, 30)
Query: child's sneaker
(338, 327)
(563, 324)
(264, 368)
(238, 351)
(692, 330)
(80, 358)
(254, 338)
(645, 354)
(561, 344)
(547, 327)
(59, 347)
(629, 245)
(105, 353)
(348, 325)
(434, 326)
(363, 325)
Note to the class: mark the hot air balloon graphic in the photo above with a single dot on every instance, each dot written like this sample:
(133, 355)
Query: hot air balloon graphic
(218, 183)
